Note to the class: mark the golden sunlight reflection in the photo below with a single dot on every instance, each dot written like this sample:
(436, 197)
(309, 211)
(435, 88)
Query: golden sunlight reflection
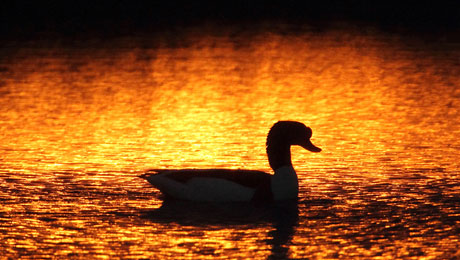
(78, 126)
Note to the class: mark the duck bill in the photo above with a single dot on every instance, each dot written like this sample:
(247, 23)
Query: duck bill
(311, 147)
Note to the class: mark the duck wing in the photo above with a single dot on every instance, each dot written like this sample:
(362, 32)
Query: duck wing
(248, 178)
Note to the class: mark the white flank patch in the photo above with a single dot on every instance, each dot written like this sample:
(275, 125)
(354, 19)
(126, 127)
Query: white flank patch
(215, 189)
(203, 189)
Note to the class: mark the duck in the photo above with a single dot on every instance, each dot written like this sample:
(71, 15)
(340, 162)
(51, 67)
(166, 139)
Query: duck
(239, 185)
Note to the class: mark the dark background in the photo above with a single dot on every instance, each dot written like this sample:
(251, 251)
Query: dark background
(30, 19)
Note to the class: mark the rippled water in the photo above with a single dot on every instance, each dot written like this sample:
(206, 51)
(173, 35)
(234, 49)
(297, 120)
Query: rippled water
(78, 125)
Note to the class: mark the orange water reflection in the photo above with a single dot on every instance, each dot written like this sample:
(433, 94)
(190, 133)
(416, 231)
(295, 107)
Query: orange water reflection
(78, 126)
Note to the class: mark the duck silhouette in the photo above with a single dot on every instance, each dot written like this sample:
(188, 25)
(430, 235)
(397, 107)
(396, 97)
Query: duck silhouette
(229, 185)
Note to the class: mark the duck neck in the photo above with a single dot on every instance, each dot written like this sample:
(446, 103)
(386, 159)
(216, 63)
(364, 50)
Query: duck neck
(279, 155)
(284, 183)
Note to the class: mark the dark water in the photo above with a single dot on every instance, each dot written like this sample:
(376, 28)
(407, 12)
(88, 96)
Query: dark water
(78, 125)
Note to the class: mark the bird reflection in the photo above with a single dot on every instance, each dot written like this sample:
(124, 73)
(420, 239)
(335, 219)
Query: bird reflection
(279, 219)
(285, 220)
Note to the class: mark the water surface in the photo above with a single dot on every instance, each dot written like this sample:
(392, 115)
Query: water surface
(78, 125)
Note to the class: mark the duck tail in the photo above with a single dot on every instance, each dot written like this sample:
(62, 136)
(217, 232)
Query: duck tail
(152, 172)
(149, 173)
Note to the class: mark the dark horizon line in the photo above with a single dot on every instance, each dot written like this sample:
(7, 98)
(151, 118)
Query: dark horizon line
(28, 18)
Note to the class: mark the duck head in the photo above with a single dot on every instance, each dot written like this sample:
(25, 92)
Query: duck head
(281, 136)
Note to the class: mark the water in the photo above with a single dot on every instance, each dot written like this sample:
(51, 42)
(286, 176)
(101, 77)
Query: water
(79, 124)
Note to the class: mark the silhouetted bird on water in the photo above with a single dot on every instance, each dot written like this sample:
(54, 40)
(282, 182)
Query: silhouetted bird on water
(241, 185)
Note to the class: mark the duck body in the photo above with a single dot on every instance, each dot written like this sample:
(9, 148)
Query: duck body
(228, 185)
(225, 184)
(211, 184)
